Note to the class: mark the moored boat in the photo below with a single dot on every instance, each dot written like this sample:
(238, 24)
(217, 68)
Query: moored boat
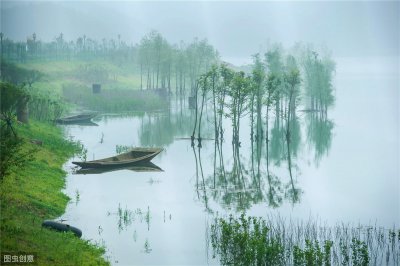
(81, 118)
(136, 156)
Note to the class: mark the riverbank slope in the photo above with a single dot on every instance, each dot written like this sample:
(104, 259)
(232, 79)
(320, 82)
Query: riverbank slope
(33, 194)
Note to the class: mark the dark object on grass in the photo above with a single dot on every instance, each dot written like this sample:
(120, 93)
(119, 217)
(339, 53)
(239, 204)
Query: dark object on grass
(136, 156)
(76, 119)
(96, 88)
(37, 142)
(62, 227)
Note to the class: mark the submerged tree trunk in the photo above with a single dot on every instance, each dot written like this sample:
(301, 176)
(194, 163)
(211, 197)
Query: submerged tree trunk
(201, 115)
(195, 121)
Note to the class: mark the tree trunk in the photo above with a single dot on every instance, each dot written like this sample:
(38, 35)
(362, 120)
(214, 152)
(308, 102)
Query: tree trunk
(141, 76)
(23, 111)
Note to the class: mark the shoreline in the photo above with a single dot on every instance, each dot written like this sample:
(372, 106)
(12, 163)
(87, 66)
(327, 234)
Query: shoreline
(35, 193)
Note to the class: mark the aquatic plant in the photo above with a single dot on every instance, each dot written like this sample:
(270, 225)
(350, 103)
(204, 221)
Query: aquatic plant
(122, 148)
(126, 217)
(273, 241)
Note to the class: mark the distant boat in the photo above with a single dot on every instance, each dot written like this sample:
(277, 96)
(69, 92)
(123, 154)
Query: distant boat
(136, 156)
(76, 119)
(142, 167)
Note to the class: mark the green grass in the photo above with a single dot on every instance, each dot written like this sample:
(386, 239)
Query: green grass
(60, 73)
(72, 81)
(33, 194)
(113, 100)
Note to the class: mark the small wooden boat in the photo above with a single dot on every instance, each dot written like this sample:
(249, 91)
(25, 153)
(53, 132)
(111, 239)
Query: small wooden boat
(76, 119)
(62, 227)
(135, 156)
(142, 167)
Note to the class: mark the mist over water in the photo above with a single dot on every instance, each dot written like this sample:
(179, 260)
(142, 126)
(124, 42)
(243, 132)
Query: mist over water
(322, 147)
(236, 29)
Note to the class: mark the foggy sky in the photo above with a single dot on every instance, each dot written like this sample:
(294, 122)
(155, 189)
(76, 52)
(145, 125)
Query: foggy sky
(236, 29)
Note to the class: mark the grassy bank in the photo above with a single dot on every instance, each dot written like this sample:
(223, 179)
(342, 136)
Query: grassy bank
(84, 73)
(113, 100)
(72, 81)
(33, 194)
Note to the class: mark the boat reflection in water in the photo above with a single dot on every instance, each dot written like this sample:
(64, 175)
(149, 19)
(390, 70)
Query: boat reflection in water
(85, 124)
(142, 167)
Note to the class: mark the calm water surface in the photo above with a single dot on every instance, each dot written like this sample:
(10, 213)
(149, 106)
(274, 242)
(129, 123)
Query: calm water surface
(345, 169)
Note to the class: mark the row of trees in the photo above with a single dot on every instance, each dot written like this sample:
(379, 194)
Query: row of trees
(162, 63)
(61, 49)
(159, 63)
(272, 94)
(273, 86)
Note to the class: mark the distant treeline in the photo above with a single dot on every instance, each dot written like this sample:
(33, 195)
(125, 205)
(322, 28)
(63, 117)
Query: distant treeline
(159, 63)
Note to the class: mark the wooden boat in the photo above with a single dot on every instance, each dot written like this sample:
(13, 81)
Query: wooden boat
(76, 119)
(142, 167)
(135, 156)
(62, 227)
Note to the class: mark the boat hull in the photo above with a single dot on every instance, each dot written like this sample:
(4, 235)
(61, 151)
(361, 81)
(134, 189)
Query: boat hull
(76, 119)
(123, 160)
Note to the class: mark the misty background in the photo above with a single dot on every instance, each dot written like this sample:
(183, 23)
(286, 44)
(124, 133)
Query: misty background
(236, 29)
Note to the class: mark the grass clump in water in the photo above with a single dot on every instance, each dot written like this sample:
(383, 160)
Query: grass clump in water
(273, 241)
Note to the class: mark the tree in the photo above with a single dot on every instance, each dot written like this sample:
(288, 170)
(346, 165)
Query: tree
(258, 77)
(11, 153)
(33, 76)
(274, 64)
(271, 85)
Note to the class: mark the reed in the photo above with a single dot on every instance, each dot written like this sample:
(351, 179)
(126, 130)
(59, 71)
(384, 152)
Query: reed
(276, 241)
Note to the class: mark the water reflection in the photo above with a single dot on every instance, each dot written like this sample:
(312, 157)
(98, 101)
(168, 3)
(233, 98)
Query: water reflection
(319, 134)
(254, 177)
(125, 217)
(161, 129)
(144, 167)
(247, 179)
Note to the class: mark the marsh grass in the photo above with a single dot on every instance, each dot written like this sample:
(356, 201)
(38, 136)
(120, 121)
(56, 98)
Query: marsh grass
(46, 107)
(122, 148)
(33, 194)
(126, 217)
(275, 241)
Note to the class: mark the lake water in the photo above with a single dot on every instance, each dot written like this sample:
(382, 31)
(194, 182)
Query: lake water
(346, 170)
